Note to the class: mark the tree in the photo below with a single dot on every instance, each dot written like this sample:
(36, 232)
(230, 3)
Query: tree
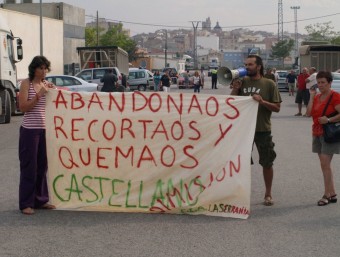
(90, 37)
(282, 48)
(116, 36)
(322, 32)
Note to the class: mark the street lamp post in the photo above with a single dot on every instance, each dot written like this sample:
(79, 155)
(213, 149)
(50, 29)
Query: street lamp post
(41, 29)
(195, 25)
(295, 8)
(166, 49)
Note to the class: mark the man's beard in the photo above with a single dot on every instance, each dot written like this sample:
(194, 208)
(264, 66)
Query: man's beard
(251, 73)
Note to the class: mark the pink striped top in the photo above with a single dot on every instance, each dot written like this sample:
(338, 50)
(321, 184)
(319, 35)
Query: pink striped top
(35, 118)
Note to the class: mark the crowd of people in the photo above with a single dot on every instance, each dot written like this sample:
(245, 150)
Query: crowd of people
(322, 106)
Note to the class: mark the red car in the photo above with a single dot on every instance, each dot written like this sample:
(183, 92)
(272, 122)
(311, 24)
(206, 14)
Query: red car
(181, 80)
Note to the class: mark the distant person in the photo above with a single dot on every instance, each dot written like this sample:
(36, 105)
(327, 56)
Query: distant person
(202, 75)
(302, 94)
(156, 79)
(165, 81)
(267, 95)
(125, 84)
(110, 81)
(269, 75)
(186, 79)
(118, 88)
(291, 80)
(311, 80)
(324, 150)
(33, 193)
(276, 75)
(197, 82)
(214, 79)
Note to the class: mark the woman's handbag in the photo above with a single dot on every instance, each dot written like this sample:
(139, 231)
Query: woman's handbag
(331, 131)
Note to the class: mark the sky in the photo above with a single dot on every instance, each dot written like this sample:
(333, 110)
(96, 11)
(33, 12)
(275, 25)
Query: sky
(230, 14)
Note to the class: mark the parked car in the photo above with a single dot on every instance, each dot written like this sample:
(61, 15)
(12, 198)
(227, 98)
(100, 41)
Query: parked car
(336, 81)
(181, 80)
(72, 83)
(140, 79)
(94, 75)
(282, 84)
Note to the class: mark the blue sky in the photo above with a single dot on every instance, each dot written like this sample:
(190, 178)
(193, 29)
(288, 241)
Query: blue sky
(229, 13)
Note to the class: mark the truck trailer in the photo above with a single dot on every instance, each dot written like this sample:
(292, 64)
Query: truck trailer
(321, 56)
(10, 53)
(103, 56)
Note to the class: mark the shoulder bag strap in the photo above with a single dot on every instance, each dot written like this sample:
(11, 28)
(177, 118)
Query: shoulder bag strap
(329, 100)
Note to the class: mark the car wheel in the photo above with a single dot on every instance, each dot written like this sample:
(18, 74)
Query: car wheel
(141, 88)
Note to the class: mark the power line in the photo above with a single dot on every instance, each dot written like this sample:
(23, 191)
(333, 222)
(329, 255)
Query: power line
(224, 27)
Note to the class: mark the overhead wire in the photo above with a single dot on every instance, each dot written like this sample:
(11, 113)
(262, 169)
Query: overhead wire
(223, 27)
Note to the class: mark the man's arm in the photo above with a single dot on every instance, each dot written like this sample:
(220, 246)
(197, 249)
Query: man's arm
(274, 107)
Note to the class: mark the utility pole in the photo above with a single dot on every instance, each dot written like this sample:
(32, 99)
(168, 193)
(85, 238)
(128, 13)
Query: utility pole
(166, 48)
(195, 25)
(295, 8)
(41, 30)
(97, 29)
(280, 22)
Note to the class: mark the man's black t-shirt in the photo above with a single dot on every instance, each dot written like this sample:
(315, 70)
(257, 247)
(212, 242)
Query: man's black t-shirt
(165, 80)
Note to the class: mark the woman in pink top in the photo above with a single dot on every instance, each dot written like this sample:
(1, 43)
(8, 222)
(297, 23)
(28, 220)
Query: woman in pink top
(32, 143)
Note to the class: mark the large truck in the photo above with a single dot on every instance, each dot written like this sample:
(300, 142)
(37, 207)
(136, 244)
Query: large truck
(103, 56)
(321, 56)
(10, 53)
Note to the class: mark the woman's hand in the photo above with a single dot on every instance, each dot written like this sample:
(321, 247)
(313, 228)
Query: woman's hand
(323, 120)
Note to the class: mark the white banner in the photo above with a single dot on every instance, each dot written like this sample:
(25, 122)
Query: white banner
(150, 152)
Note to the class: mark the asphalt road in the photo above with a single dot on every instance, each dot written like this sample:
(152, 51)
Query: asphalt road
(294, 226)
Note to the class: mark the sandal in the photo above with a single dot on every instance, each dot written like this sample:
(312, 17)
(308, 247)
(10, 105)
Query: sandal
(268, 201)
(324, 201)
(27, 211)
(333, 199)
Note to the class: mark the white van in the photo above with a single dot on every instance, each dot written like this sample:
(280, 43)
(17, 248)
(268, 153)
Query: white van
(94, 75)
(140, 79)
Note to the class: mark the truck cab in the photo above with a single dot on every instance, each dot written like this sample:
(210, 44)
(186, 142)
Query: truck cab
(10, 53)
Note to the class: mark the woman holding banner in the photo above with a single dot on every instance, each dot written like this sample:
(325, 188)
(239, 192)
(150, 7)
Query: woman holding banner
(32, 143)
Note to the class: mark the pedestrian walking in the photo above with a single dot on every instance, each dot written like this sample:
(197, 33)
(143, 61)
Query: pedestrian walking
(156, 79)
(165, 81)
(269, 74)
(202, 75)
(214, 79)
(266, 93)
(197, 82)
(109, 81)
(290, 80)
(302, 94)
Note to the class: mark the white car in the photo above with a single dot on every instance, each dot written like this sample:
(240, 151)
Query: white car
(336, 81)
(282, 84)
(72, 83)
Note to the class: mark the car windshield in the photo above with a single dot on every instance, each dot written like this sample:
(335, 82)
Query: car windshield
(282, 74)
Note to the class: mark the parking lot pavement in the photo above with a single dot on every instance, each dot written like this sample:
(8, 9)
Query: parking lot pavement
(294, 226)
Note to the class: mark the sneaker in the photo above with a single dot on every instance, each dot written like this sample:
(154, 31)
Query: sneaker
(298, 114)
